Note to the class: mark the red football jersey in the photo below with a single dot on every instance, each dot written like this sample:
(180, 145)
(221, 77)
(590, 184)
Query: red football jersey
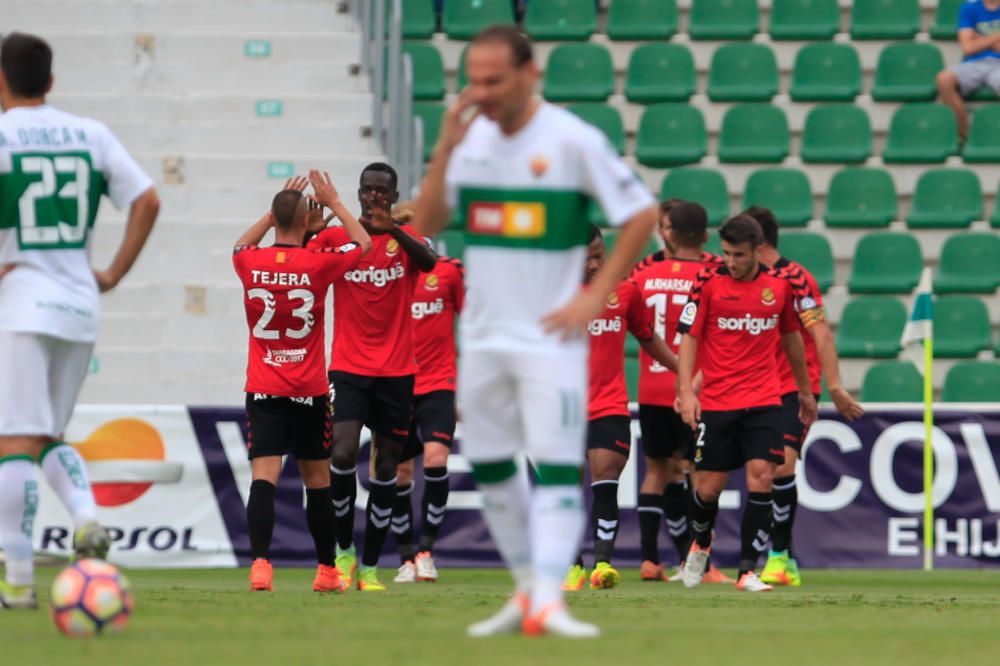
(284, 293)
(372, 325)
(707, 258)
(809, 305)
(738, 324)
(623, 312)
(437, 300)
(665, 284)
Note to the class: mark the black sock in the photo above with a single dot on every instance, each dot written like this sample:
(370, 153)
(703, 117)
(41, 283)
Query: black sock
(675, 511)
(786, 500)
(319, 517)
(579, 560)
(260, 518)
(650, 517)
(605, 519)
(379, 512)
(344, 490)
(402, 523)
(754, 530)
(433, 504)
(703, 519)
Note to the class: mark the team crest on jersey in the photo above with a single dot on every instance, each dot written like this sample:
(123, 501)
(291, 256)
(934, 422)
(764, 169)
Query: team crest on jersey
(432, 282)
(539, 165)
(392, 247)
(613, 301)
(767, 297)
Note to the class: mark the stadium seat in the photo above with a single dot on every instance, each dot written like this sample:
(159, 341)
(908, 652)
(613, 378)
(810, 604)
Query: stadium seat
(460, 77)
(670, 134)
(961, 327)
(604, 117)
(972, 381)
(743, 72)
(826, 73)
(892, 381)
(983, 143)
(430, 113)
(579, 72)
(785, 191)
(419, 21)
(945, 25)
(970, 264)
(723, 19)
(659, 72)
(642, 19)
(804, 19)
(754, 133)
(946, 198)
(451, 243)
(861, 197)
(428, 72)
(561, 19)
(632, 377)
(811, 250)
(631, 347)
(906, 73)
(462, 19)
(871, 327)
(714, 244)
(885, 19)
(704, 186)
(886, 263)
(921, 132)
(836, 133)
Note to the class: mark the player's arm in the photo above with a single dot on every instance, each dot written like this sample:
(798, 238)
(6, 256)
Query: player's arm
(326, 194)
(420, 253)
(795, 350)
(688, 405)
(141, 218)
(658, 349)
(827, 351)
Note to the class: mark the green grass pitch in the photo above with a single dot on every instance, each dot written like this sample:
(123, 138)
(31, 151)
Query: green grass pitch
(901, 618)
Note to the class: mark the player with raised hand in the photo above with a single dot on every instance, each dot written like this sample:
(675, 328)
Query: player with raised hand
(287, 399)
(54, 167)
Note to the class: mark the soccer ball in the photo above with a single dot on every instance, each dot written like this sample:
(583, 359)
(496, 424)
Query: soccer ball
(89, 597)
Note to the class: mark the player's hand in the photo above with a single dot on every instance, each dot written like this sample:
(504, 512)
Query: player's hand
(381, 214)
(105, 280)
(323, 190)
(456, 121)
(297, 183)
(689, 408)
(808, 412)
(571, 320)
(846, 404)
(315, 222)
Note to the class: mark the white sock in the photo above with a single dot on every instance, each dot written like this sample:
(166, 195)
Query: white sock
(65, 471)
(557, 524)
(506, 512)
(18, 505)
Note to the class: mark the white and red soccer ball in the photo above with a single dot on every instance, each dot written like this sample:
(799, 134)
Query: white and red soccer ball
(90, 597)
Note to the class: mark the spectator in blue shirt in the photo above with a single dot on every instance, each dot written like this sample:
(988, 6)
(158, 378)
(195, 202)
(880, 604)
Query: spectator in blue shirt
(979, 38)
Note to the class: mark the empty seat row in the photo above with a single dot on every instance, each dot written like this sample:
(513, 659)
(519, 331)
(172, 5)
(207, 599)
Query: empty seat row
(900, 381)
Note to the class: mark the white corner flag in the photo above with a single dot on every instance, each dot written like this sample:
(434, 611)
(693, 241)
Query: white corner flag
(919, 330)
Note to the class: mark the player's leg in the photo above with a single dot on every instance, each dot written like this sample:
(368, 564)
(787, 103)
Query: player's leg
(785, 495)
(351, 408)
(762, 450)
(267, 437)
(402, 514)
(437, 417)
(608, 443)
(655, 447)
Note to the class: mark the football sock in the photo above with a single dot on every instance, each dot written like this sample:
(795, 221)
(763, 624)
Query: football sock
(402, 523)
(65, 471)
(379, 512)
(703, 519)
(675, 511)
(319, 517)
(344, 489)
(260, 517)
(557, 524)
(433, 505)
(754, 530)
(506, 510)
(650, 517)
(18, 506)
(786, 500)
(605, 519)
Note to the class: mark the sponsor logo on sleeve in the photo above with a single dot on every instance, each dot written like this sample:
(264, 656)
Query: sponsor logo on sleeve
(807, 303)
(688, 314)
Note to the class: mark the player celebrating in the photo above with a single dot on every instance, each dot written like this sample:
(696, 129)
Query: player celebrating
(288, 402)
(521, 171)
(732, 323)
(609, 428)
(54, 167)
(372, 366)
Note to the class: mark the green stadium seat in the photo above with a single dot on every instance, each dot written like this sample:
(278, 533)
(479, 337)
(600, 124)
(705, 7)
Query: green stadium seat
(995, 218)
(704, 186)
(605, 118)
(861, 197)
(885, 19)
(460, 77)
(946, 198)
(659, 72)
(836, 133)
(785, 191)
(419, 21)
(892, 381)
(969, 264)
(871, 327)
(428, 71)
(886, 263)
(462, 19)
(642, 19)
(754, 133)
(632, 377)
(631, 347)
(961, 327)
(921, 132)
(804, 19)
(906, 73)
(983, 143)
(670, 135)
(945, 25)
(972, 381)
(451, 243)
(714, 244)
(579, 72)
(723, 19)
(430, 113)
(996, 347)
(561, 20)
(826, 73)
(743, 72)
(811, 250)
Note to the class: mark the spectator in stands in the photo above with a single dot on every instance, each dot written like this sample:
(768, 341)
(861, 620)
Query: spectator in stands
(979, 39)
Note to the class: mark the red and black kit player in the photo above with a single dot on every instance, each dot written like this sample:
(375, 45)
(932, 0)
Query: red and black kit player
(373, 365)
(609, 430)
(437, 302)
(287, 402)
(736, 316)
